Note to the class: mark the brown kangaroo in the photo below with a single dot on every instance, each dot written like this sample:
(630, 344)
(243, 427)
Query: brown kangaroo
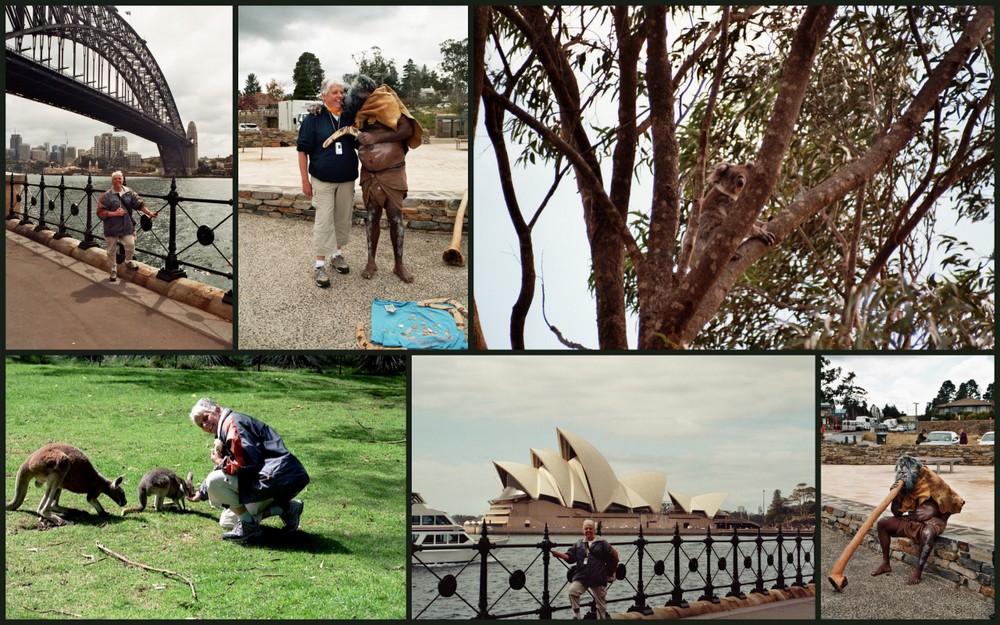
(60, 466)
(162, 483)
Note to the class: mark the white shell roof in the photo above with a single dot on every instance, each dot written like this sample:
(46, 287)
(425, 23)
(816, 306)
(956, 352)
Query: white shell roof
(709, 503)
(579, 474)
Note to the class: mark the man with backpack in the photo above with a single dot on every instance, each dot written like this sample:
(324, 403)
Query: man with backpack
(596, 561)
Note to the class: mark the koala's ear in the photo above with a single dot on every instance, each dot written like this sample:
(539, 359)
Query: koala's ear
(750, 165)
(717, 173)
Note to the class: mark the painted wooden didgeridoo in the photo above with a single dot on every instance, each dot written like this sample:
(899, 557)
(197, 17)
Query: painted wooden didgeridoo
(837, 577)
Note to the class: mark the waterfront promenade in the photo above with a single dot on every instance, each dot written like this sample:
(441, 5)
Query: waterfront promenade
(56, 302)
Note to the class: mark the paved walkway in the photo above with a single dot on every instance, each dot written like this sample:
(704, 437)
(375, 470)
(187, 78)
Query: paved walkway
(434, 167)
(867, 486)
(792, 609)
(55, 302)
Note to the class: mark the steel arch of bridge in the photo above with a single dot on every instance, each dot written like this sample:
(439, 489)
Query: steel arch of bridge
(89, 60)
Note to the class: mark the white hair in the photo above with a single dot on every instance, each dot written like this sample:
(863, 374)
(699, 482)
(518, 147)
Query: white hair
(205, 405)
(591, 523)
(325, 86)
(118, 173)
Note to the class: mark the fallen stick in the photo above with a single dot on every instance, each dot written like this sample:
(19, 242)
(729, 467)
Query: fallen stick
(51, 612)
(149, 568)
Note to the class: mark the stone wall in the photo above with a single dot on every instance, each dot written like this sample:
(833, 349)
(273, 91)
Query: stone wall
(963, 563)
(427, 212)
(839, 453)
(267, 137)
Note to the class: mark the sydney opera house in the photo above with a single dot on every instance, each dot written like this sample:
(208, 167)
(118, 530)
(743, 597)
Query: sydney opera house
(561, 488)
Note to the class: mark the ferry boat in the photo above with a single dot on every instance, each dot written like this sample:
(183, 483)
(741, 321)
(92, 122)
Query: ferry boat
(442, 541)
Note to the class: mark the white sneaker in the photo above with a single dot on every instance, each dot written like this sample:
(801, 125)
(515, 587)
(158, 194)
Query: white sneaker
(114, 275)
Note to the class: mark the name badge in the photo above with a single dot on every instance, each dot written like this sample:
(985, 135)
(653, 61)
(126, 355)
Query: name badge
(339, 148)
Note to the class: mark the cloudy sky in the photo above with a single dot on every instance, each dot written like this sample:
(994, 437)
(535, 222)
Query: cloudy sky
(738, 424)
(271, 38)
(193, 45)
(903, 380)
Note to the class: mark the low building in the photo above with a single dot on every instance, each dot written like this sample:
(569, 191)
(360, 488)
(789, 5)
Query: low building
(964, 406)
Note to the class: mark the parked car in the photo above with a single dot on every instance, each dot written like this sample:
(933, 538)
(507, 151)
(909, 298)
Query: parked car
(986, 439)
(249, 128)
(941, 438)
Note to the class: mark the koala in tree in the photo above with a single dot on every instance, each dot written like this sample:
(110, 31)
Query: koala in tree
(727, 182)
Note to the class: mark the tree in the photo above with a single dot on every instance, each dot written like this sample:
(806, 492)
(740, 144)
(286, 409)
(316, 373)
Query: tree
(380, 69)
(777, 511)
(946, 394)
(409, 86)
(870, 120)
(967, 390)
(804, 496)
(251, 85)
(274, 92)
(889, 411)
(308, 77)
(455, 65)
(827, 376)
(988, 394)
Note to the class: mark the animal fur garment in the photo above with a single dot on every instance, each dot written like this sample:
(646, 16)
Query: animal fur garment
(385, 107)
(931, 486)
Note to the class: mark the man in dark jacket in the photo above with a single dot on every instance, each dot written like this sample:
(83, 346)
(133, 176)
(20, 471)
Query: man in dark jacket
(592, 556)
(255, 475)
(328, 175)
(115, 209)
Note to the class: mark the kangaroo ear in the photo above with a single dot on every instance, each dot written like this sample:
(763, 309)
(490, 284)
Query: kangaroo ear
(190, 476)
(118, 481)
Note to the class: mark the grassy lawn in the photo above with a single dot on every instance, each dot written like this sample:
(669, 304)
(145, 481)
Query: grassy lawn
(347, 561)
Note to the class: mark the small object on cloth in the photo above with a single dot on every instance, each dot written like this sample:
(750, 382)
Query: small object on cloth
(412, 326)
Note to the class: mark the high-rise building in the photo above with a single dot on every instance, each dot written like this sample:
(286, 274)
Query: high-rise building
(108, 145)
(15, 145)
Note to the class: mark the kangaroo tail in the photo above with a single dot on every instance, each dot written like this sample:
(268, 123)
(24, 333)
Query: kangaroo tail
(20, 487)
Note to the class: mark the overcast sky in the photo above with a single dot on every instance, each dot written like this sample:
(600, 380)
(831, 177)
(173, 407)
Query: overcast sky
(193, 45)
(902, 380)
(271, 38)
(737, 424)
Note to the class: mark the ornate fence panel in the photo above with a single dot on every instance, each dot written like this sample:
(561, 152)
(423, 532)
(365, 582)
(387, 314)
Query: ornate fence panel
(73, 210)
(517, 580)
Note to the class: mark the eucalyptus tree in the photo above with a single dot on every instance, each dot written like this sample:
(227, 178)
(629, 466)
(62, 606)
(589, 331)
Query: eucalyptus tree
(867, 126)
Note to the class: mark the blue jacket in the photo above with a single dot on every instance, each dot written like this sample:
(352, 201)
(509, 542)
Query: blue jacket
(592, 569)
(110, 202)
(327, 164)
(266, 468)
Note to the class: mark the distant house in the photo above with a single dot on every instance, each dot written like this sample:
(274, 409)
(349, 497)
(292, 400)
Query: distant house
(964, 406)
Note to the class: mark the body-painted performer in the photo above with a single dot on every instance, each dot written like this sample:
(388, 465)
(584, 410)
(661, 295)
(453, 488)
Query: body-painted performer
(920, 512)
(388, 132)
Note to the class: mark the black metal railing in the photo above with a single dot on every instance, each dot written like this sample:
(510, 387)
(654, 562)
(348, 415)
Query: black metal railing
(675, 569)
(48, 207)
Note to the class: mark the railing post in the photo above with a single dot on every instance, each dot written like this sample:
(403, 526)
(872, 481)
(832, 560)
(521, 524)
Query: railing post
(798, 560)
(51, 206)
(483, 547)
(709, 589)
(27, 202)
(759, 583)
(10, 205)
(61, 232)
(173, 270)
(812, 580)
(677, 594)
(640, 604)
(780, 584)
(545, 612)
(88, 237)
(734, 590)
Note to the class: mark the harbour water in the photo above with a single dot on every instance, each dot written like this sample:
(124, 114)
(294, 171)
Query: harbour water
(521, 554)
(190, 215)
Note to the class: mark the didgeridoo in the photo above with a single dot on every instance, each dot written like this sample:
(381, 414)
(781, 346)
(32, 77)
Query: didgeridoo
(837, 577)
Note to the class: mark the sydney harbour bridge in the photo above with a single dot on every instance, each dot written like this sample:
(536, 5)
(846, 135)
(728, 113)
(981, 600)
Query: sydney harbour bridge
(88, 60)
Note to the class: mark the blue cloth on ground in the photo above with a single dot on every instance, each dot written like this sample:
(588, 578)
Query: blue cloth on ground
(411, 326)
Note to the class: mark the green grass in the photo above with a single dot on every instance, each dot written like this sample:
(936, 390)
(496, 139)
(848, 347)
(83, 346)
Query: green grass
(347, 561)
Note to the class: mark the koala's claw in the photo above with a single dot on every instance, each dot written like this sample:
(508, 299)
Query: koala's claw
(767, 237)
